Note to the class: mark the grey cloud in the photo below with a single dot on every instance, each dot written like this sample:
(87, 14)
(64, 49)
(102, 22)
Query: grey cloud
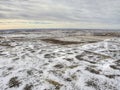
(101, 11)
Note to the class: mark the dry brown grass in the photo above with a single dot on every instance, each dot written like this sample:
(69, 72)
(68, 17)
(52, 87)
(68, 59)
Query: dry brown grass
(60, 42)
(55, 83)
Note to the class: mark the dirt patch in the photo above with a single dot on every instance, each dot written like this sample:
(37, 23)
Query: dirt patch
(96, 83)
(92, 83)
(112, 76)
(59, 66)
(60, 42)
(80, 57)
(92, 57)
(117, 62)
(14, 82)
(102, 56)
(15, 59)
(10, 68)
(114, 67)
(49, 55)
(73, 66)
(28, 87)
(69, 59)
(92, 70)
(6, 45)
(29, 72)
(68, 79)
(55, 83)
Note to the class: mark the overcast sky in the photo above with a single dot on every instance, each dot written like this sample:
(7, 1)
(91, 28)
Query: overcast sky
(60, 14)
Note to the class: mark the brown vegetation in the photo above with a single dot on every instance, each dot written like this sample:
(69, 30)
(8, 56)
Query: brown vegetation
(56, 84)
(60, 42)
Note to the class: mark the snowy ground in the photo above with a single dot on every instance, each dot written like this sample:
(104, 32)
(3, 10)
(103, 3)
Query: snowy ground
(47, 61)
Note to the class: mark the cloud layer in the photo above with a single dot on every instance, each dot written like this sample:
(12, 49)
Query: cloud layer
(75, 11)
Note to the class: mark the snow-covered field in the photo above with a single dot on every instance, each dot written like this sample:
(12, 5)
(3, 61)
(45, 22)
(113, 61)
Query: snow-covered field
(59, 61)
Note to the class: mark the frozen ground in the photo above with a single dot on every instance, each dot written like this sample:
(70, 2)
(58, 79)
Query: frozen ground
(59, 61)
